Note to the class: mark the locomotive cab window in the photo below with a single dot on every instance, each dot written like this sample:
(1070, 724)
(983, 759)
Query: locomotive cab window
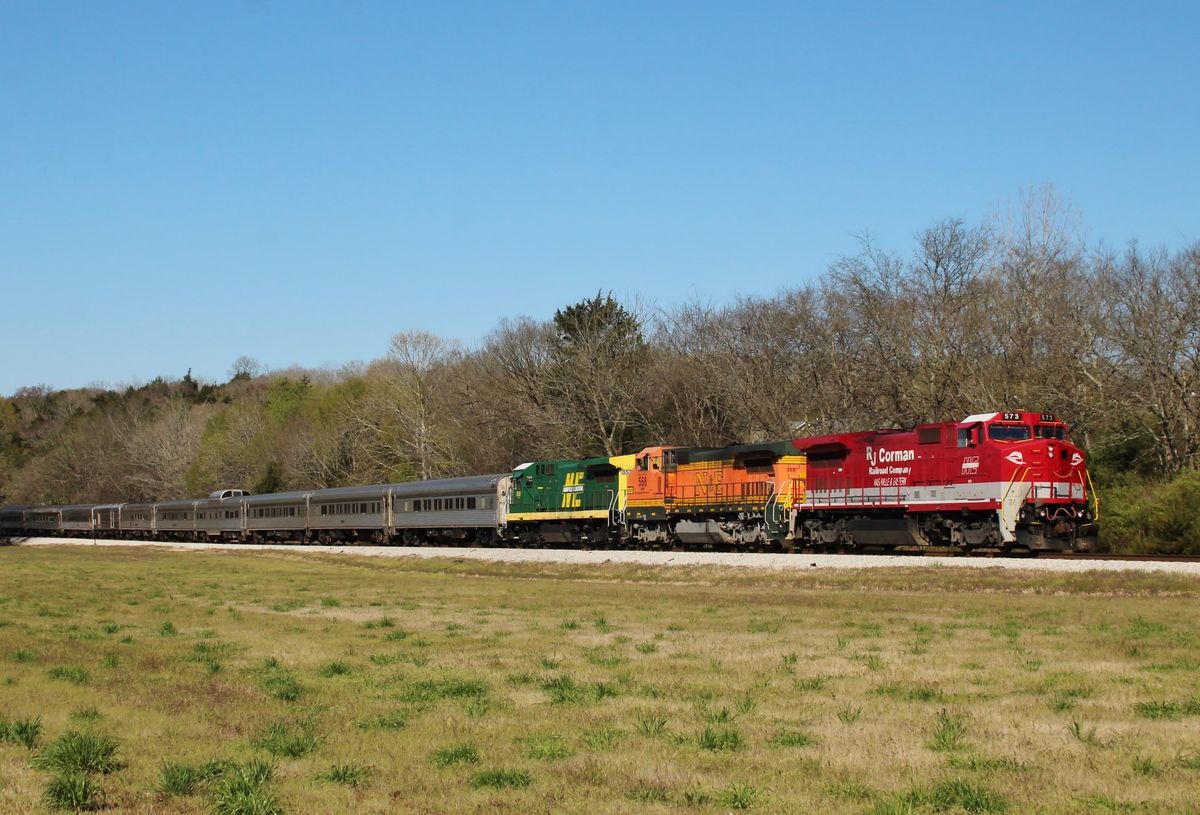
(1049, 431)
(968, 436)
(1009, 432)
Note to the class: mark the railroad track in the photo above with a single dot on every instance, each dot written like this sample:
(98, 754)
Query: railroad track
(798, 553)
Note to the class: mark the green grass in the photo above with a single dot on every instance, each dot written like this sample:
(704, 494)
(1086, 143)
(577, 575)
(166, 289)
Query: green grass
(923, 691)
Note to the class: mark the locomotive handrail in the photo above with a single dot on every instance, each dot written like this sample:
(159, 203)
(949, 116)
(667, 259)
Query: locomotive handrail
(1012, 481)
(1091, 487)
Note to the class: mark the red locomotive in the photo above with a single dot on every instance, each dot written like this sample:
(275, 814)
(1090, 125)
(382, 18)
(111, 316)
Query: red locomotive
(1007, 481)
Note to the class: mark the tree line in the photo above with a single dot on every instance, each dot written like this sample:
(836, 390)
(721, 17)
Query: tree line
(1013, 313)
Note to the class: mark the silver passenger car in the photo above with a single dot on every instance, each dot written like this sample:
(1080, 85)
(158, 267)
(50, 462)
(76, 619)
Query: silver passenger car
(106, 520)
(175, 519)
(349, 512)
(448, 509)
(279, 515)
(43, 519)
(12, 521)
(220, 517)
(137, 520)
(77, 519)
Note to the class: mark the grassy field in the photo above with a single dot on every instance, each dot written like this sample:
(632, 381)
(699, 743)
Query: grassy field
(263, 682)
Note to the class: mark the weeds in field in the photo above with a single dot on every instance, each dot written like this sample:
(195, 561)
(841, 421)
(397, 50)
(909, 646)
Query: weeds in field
(738, 796)
(22, 655)
(178, 779)
(945, 796)
(849, 714)
(78, 752)
(914, 693)
(456, 754)
(850, 791)
(450, 687)
(279, 683)
(602, 738)
(1167, 710)
(791, 738)
(393, 720)
(24, 732)
(977, 763)
(348, 775)
(1145, 766)
(330, 602)
(649, 793)
(168, 629)
(1083, 734)
(719, 739)
(245, 789)
(332, 669)
(550, 747)
(501, 779)
(948, 733)
(649, 723)
(286, 740)
(811, 683)
(69, 673)
(76, 791)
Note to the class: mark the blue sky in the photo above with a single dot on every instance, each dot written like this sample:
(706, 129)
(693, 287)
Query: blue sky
(184, 183)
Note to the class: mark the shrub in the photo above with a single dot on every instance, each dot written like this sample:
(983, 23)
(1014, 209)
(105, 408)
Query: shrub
(1155, 519)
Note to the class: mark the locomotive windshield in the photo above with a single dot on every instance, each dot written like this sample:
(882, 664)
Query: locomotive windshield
(1050, 431)
(1009, 432)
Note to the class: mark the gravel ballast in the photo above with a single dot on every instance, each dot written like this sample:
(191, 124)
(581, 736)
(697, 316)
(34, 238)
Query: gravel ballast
(745, 560)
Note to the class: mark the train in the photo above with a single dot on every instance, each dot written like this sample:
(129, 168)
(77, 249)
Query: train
(1005, 481)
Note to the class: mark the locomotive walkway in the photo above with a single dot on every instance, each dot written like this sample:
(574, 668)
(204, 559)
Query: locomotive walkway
(747, 560)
